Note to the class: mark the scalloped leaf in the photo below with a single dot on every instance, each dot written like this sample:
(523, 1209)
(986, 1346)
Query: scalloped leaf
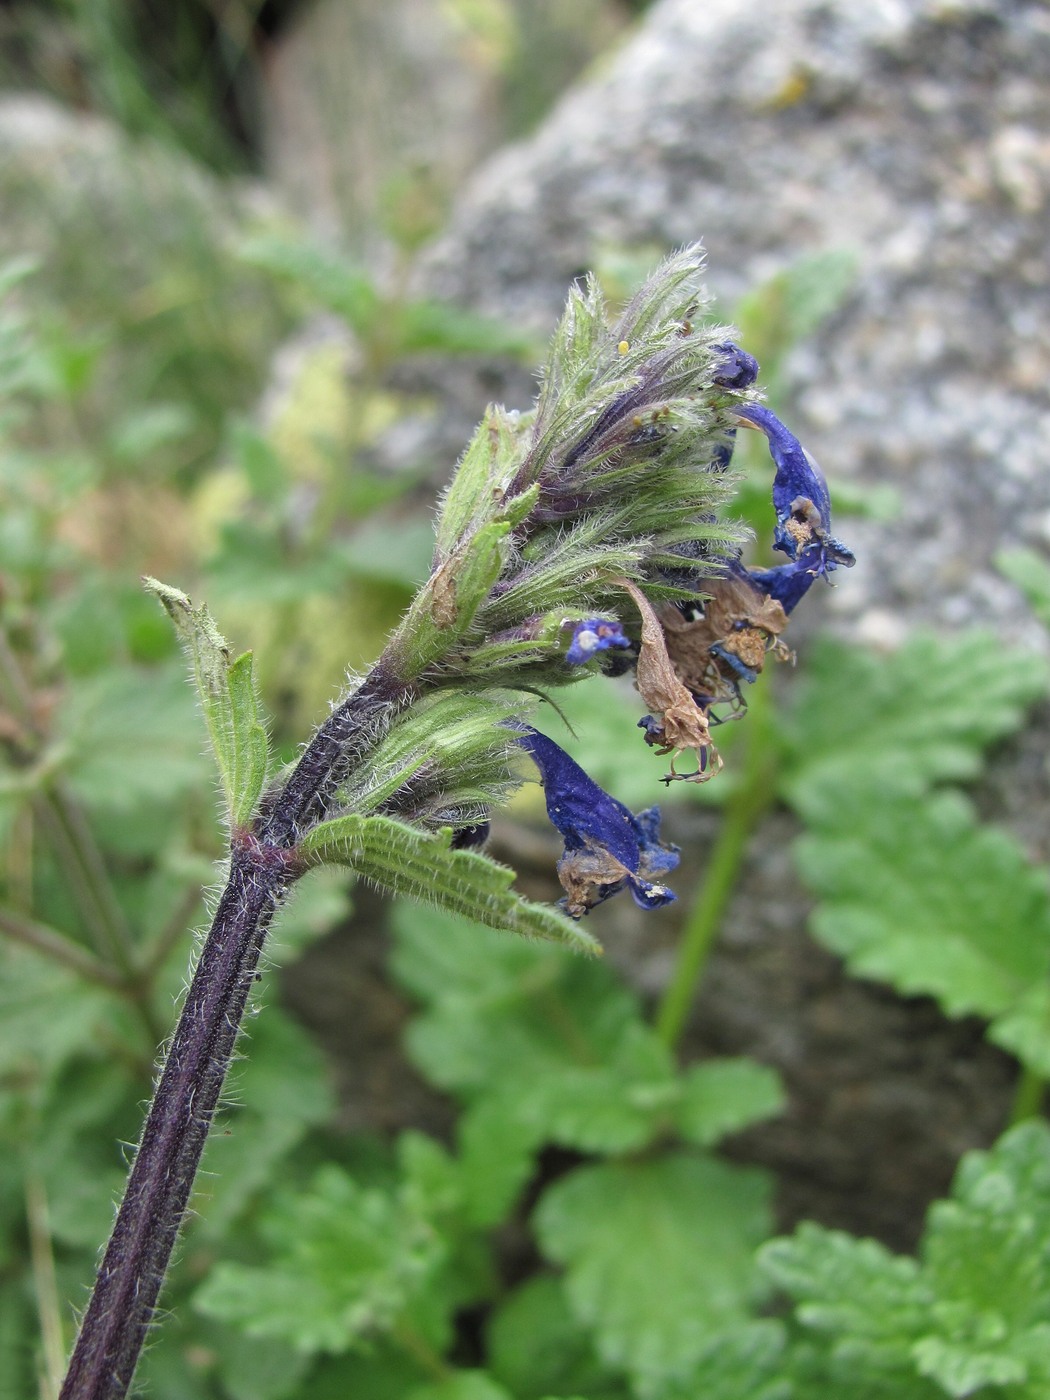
(659, 1256)
(228, 696)
(422, 864)
(920, 896)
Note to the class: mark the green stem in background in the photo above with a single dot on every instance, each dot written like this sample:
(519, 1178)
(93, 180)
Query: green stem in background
(1028, 1096)
(45, 1285)
(744, 809)
(81, 861)
(430, 1362)
(76, 851)
(52, 944)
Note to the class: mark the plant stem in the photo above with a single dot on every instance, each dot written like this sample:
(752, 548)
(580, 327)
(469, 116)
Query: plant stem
(744, 809)
(262, 869)
(44, 1282)
(136, 1259)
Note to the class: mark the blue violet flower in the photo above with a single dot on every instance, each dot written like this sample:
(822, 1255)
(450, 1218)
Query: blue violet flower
(592, 635)
(607, 847)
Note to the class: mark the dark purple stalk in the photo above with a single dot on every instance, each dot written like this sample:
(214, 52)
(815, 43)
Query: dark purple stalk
(262, 869)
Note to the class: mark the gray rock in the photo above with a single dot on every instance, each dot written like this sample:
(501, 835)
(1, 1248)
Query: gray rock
(912, 132)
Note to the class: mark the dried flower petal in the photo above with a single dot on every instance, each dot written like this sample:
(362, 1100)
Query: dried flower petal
(679, 724)
(607, 848)
(727, 639)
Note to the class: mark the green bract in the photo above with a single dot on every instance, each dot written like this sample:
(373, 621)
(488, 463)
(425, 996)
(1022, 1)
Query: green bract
(230, 702)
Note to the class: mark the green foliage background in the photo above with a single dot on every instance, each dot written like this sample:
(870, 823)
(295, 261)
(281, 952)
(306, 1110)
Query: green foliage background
(322, 1264)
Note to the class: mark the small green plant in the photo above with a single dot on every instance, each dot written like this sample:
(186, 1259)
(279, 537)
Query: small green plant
(579, 1234)
(558, 533)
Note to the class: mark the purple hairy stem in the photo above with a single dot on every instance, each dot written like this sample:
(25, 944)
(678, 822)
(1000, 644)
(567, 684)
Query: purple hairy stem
(263, 868)
(132, 1271)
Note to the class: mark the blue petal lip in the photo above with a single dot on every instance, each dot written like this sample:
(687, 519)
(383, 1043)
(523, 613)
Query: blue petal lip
(737, 369)
(797, 476)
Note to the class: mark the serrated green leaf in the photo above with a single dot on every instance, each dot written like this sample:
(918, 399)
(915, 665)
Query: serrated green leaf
(723, 1096)
(917, 895)
(898, 723)
(989, 1245)
(841, 1284)
(228, 697)
(346, 1263)
(423, 865)
(676, 1269)
(617, 1106)
(972, 1313)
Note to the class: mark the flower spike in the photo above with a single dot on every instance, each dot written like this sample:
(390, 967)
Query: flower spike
(607, 847)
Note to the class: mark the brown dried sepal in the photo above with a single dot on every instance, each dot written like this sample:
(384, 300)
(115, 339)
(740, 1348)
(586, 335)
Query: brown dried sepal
(584, 874)
(739, 620)
(443, 594)
(804, 524)
(683, 724)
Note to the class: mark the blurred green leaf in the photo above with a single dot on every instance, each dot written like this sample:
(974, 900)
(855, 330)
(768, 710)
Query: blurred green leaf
(464, 1385)
(1031, 572)
(566, 1362)
(720, 1097)
(793, 304)
(972, 1314)
(677, 1268)
(959, 913)
(17, 1360)
(862, 722)
(333, 281)
(318, 904)
(131, 738)
(145, 431)
(391, 551)
(500, 1008)
(47, 1016)
(346, 1263)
